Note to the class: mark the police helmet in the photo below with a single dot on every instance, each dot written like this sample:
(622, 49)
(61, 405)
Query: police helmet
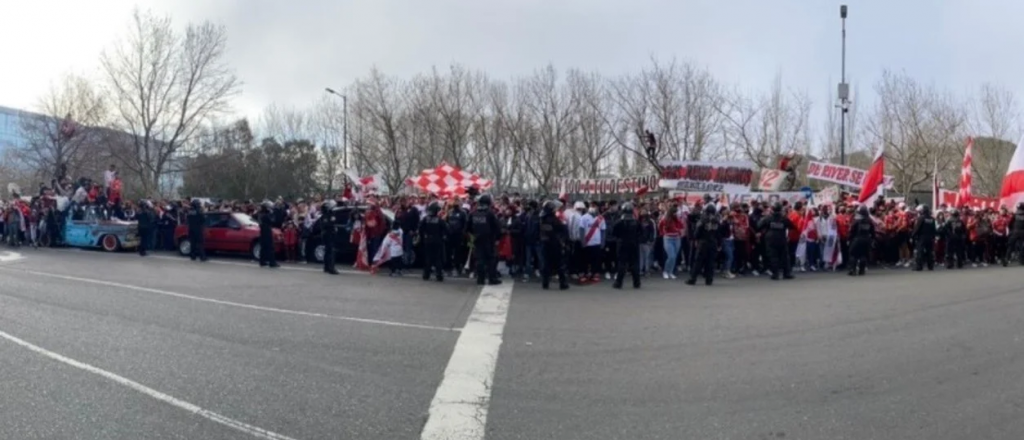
(1020, 206)
(777, 207)
(926, 210)
(710, 209)
(434, 207)
(267, 204)
(863, 211)
(484, 200)
(329, 205)
(549, 207)
(627, 206)
(955, 212)
(196, 204)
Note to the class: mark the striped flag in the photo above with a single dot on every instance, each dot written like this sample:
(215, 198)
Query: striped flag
(964, 196)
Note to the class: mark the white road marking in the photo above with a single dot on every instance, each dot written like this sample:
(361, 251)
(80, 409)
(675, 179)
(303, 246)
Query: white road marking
(8, 257)
(459, 408)
(173, 401)
(232, 303)
(251, 265)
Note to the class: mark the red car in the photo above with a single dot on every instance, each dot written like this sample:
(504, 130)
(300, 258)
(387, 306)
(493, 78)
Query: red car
(229, 232)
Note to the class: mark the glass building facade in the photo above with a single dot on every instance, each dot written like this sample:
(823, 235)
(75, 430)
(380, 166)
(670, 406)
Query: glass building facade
(10, 128)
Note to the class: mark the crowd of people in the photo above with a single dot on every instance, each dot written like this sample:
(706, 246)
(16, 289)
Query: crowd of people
(583, 241)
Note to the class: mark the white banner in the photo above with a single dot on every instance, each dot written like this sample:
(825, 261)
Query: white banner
(732, 177)
(744, 197)
(772, 180)
(613, 185)
(840, 174)
(827, 196)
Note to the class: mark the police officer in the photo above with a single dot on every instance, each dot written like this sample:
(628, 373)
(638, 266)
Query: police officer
(554, 238)
(458, 223)
(1016, 236)
(924, 240)
(328, 234)
(862, 233)
(147, 222)
(708, 239)
(955, 232)
(432, 232)
(483, 224)
(627, 236)
(775, 228)
(266, 219)
(197, 231)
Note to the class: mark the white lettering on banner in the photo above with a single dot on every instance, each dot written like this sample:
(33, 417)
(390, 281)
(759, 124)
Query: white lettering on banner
(826, 196)
(620, 185)
(728, 177)
(729, 198)
(949, 198)
(840, 174)
(772, 180)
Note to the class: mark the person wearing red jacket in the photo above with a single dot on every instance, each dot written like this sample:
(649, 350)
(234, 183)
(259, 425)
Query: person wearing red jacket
(796, 216)
(742, 238)
(844, 217)
(291, 241)
(890, 226)
(670, 228)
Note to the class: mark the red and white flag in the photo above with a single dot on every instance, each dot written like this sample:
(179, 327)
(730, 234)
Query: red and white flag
(874, 178)
(936, 197)
(1013, 183)
(964, 196)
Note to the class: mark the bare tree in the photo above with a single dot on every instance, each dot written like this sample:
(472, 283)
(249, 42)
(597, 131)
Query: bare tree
(499, 159)
(327, 122)
(591, 146)
(550, 108)
(165, 86)
(287, 123)
(919, 127)
(995, 115)
(64, 135)
(768, 126)
(382, 142)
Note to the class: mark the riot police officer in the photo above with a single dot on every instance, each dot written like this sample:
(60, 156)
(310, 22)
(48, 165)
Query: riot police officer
(266, 220)
(1016, 237)
(708, 239)
(328, 234)
(484, 226)
(955, 232)
(775, 228)
(554, 238)
(924, 240)
(432, 232)
(197, 231)
(862, 233)
(627, 236)
(147, 222)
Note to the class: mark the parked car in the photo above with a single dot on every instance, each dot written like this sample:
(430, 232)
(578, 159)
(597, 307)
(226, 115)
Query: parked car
(228, 232)
(344, 249)
(88, 227)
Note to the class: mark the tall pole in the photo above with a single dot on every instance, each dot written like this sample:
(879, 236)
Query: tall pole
(844, 94)
(344, 132)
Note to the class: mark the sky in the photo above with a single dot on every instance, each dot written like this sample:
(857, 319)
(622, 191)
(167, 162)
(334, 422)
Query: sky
(287, 51)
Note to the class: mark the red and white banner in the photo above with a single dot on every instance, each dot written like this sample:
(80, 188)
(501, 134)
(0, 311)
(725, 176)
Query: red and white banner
(448, 180)
(732, 177)
(949, 198)
(612, 185)
(745, 197)
(840, 174)
(772, 180)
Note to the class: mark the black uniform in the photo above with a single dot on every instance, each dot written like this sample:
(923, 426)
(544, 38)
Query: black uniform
(707, 241)
(483, 224)
(197, 234)
(267, 257)
(775, 228)
(455, 245)
(862, 234)
(955, 231)
(147, 224)
(432, 231)
(554, 237)
(328, 235)
(1016, 238)
(627, 237)
(924, 242)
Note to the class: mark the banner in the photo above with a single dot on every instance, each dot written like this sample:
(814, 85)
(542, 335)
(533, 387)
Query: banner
(772, 180)
(744, 197)
(732, 177)
(827, 196)
(948, 198)
(840, 174)
(612, 185)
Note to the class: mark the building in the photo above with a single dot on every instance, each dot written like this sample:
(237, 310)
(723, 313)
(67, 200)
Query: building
(11, 121)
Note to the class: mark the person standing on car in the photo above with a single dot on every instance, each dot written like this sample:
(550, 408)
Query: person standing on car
(432, 231)
(328, 224)
(197, 231)
(266, 219)
(147, 223)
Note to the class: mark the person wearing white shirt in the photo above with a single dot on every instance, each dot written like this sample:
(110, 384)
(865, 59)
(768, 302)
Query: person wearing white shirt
(592, 228)
(109, 176)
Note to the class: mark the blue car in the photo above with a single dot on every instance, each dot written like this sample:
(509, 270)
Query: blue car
(86, 227)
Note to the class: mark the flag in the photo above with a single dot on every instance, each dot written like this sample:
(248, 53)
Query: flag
(874, 179)
(936, 197)
(1013, 183)
(964, 196)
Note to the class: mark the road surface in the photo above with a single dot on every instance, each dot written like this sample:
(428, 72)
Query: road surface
(113, 346)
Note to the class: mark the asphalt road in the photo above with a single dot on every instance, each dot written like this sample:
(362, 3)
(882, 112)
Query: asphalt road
(100, 346)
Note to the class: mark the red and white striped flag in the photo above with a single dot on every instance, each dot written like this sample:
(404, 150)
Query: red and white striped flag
(964, 196)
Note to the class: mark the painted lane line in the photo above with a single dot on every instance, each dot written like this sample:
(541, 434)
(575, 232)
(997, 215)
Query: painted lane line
(235, 304)
(459, 408)
(173, 401)
(8, 257)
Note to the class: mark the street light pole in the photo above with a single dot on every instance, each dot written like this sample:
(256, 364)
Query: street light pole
(844, 94)
(344, 129)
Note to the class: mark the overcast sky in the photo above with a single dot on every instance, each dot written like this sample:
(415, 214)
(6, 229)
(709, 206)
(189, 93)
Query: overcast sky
(287, 51)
